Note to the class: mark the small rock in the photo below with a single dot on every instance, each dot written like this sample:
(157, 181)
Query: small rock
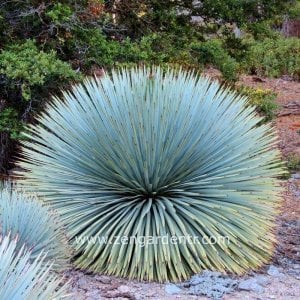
(172, 289)
(287, 78)
(274, 271)
(123, 289)
(93, 295)
(77, 294)
(250, 285)
(296, 176)
(103, 279)
(262, 280)
(82, 282)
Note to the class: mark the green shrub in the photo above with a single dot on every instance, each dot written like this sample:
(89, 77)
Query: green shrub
(263, 100)
(236, 47)
(274, 57)
(59, 13)
(10, 123)
(92, 47)
(157, 49)
(152, 153)
(28, 75)
(212, 52)
(35, 225)
(263, 30)
(21, 278)
(26, 66)
(149, 48)
(294, 10)
(140, 17)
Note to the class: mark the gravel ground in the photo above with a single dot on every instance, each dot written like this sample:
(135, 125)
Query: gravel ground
(272, 283)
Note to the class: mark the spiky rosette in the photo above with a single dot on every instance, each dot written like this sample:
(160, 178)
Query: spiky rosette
(34, 225)
(24, 278)
(158, 175)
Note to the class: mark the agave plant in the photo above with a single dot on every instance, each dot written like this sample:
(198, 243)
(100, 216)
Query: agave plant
(34, 224)
(142, 155)
(21, 278)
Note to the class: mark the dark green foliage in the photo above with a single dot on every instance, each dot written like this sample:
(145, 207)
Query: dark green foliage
(236, 47)
(158, 49)
(59, 13)
(143, 16)
(213, 52)
(28, 75)
(9, 122)
(274, 57)
(89, 46)
(25, 67)
(241, 11)
(263, 30)
(294, 10)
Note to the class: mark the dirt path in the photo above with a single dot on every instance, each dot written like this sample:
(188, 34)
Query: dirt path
(283, 281)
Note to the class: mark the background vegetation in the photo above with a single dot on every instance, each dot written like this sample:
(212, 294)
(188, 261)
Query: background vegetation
(49, 45)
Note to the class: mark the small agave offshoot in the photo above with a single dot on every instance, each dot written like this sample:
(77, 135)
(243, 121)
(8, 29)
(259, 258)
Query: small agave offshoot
(34, 225)
(147, 154)
(24, 278)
